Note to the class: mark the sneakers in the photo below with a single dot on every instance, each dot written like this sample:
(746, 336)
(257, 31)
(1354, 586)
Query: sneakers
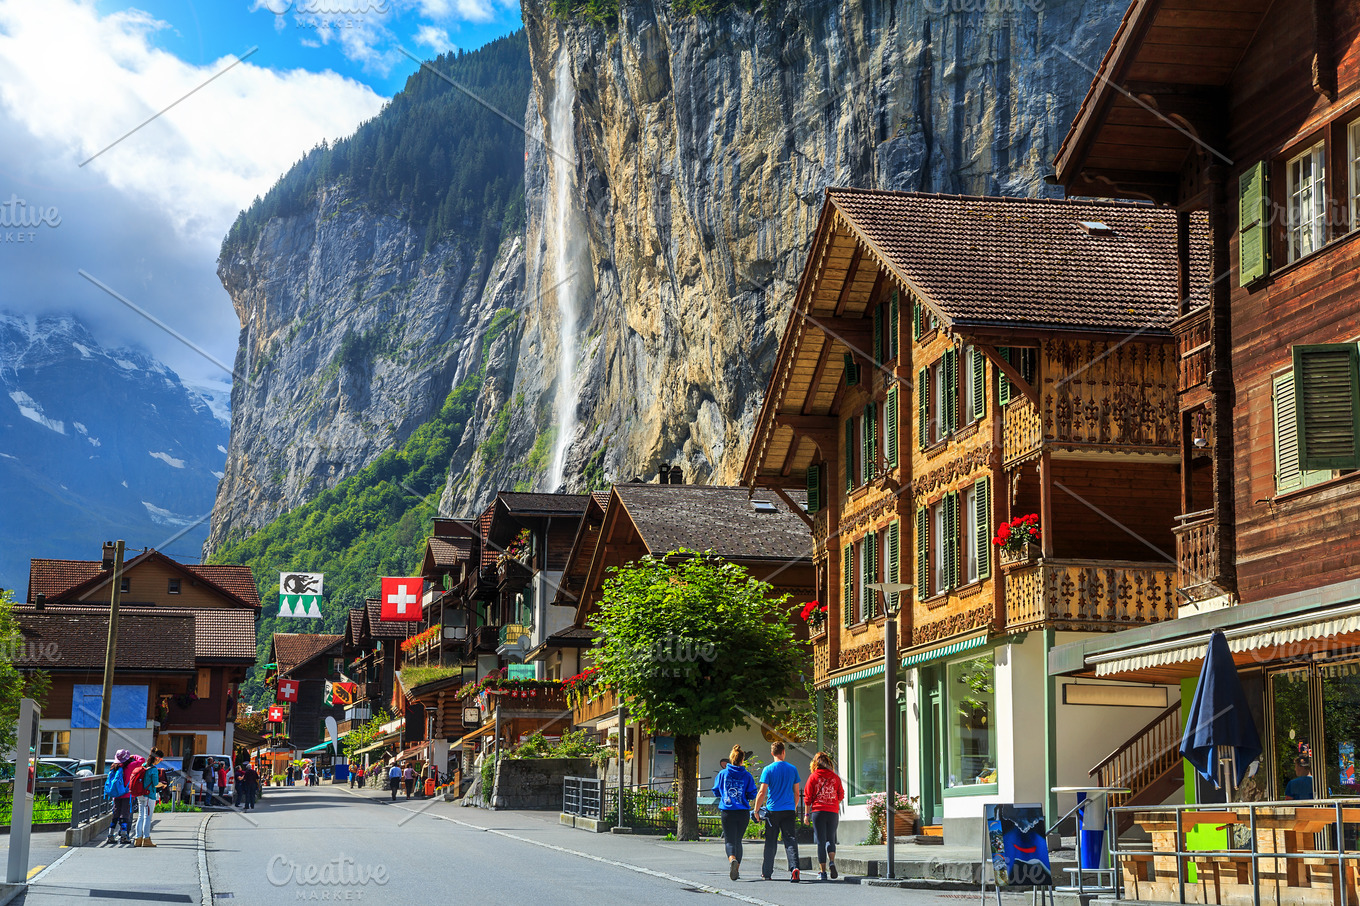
(821, 876)
(831, 866)
(793, 876)
(733, 869)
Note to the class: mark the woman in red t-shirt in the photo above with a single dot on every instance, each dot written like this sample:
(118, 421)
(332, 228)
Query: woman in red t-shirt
(822, 796)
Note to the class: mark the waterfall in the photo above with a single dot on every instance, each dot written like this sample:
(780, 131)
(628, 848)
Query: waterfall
(565, 246)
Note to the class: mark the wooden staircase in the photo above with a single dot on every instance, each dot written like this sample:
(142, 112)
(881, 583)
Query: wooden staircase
(1148, 764)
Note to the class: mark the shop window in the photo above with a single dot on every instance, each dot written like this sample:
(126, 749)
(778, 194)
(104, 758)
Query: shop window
(971, 721)
(868, 729)
(55, 743)
(1307, 200)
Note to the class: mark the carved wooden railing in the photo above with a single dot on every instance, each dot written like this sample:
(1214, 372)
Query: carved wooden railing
(1094, 595)
(540, 700)
(1192, 347)
(1144, 757)
(1110, 394)
(821, 660)
(1197, 554)
(1022, 431)
(604, 703)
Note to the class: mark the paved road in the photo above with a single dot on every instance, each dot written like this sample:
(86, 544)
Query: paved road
(331, 845)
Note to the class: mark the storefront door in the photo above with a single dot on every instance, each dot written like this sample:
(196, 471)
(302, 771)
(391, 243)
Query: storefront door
(932, 755)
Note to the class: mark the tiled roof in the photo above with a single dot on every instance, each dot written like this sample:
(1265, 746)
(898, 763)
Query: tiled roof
(519, 502)
(573, 633)
(52, 577)
(57, 577)
(354, 626)
(68, 638)
(720, 519)
(293, 649)
(483, 531)
(386, 629)
(1025, 261)
(221, 633)
(601, 498)
(235, 579)
(449, 552)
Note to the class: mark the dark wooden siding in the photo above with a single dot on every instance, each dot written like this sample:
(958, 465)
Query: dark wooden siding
(1101, 509)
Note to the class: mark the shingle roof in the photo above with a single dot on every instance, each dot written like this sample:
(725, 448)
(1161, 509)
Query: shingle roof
(223, 633)
(1025, 261)
(521, 502)
(720, 519)
(68, 638)
(236, 579)
(573, 633)
(54, 578)
(385, 629)
(449, 552)
(354, 626)
(293, 649)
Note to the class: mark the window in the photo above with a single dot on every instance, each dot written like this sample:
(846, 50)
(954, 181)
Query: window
(1353, 134)
(848, 585)
(182, 746)
(971, 721)
(868, 574)
(174, 586)
(938, 531)
(937, 414)
(124, 586)
(966, 409)
(1025, 360)
(851, 456)
(1307, 202)
(868, 749)
(55, 743)
(968, 523)
(1316, 415)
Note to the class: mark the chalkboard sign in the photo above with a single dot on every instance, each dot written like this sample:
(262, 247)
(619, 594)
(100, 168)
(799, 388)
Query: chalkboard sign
(1017, 844)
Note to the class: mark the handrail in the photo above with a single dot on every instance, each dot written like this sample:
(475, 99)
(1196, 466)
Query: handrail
(1198, 514)
(1132, 740)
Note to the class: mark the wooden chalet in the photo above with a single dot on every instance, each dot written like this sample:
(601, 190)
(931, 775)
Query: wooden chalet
(186, 641)
(1248, 114)
(951, 364)
(307, 661)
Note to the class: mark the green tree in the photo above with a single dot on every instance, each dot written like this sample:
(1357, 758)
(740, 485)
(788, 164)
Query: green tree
(15, 682)
(695, 645)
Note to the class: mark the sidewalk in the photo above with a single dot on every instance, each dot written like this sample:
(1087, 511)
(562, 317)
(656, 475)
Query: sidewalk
(167, 873)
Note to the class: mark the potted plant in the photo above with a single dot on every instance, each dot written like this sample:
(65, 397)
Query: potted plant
(814, 614)
(1019, 540)
(904, 815)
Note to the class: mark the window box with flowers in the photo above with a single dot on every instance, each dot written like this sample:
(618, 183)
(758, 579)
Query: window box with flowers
(1019, 540)
(582, 687)
(814, 614)
(422, 639)
(517, 550)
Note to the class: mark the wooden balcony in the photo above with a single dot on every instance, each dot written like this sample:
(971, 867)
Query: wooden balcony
(1022, 433)
(540, 700)
(604, 703)
(1197, 555)
(821, 660)
(1089, 595)
(1192, 347)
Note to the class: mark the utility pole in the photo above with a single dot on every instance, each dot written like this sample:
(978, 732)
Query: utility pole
(110, 650)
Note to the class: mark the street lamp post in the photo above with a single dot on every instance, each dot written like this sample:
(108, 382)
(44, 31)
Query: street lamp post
(892, 602)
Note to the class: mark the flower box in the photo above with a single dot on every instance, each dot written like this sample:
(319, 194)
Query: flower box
(1024, 555)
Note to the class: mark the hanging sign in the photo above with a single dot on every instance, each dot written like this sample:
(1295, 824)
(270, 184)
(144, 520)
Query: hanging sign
(300, 595)
(401, 598)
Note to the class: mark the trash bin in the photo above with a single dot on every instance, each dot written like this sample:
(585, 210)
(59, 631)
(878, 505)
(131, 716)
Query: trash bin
(429, 788)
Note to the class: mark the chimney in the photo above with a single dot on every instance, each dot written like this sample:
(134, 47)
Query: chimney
(40, 602)
(663, 477)
(677, 476)
(107, 562)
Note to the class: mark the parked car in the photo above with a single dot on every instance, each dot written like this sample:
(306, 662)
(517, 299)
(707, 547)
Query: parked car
(196, 766)
(86, 768)
(50, 779)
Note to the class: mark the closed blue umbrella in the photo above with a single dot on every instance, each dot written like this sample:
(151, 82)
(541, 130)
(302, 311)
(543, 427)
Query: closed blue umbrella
(1219, 717)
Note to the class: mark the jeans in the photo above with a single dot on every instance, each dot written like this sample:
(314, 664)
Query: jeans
(734, 822)
(395, 784)
(824, 826)
(122, 816)
(248, 796)
(779, 824)
(145, 807)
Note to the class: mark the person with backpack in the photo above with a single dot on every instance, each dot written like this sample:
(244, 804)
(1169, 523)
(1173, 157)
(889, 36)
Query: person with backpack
(209, 780)
(823, 796)
(734, 788)
(394, 779)
(142, 784)
(116, 787)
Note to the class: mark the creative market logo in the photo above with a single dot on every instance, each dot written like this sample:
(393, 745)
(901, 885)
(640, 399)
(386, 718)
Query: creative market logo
(326, 14)
(983, 7)
(21, 221)
(337, 879)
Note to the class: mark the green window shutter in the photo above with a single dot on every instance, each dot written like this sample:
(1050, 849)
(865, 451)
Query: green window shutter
(851, 371)
(951, 540)
(849, 457)
(894, 557)
(1288, 475)
(1253, 241)
(916, 319)
(982, 519)
(1003, 384)
(868, 434)
(923, 408)
(1327, 405)
(951, 391)
(878, 334)
(892, 326)
(848, 585)
(814, 488)
(922, 553)
(979, 378)
(890, 427)
(870, 547)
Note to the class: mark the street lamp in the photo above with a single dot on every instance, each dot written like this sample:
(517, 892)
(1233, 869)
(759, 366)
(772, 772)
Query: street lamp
(890, 608)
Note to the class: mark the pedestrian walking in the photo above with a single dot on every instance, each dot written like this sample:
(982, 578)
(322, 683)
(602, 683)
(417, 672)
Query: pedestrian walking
(144, 779)
(734, 788)
(116, 788)
(823, 797)
(777, 803)
(289, 775)
(360, 773)
(408, 777)
(394, 779)
(209, 780)
(249, 786)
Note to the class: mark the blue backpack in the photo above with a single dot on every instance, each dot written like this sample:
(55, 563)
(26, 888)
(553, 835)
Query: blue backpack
(115, 786)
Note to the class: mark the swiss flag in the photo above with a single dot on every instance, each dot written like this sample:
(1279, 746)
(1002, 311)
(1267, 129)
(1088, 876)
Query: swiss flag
(288, 690)
(401, 598)
(274, 714)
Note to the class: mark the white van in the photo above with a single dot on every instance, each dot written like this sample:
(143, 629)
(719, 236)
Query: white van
(196, 775)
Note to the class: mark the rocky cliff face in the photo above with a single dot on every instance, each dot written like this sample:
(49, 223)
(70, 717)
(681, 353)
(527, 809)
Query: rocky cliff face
(701, 149)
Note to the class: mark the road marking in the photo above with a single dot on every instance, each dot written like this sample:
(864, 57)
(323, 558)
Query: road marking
(732, 895)
(204, 887)
(34, 870)
(33, 879)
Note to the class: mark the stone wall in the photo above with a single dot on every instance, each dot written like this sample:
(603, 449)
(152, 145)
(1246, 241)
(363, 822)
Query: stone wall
(536, 783)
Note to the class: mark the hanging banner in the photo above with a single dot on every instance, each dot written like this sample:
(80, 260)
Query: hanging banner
(340, 693)
(401, 598)
(274, 714)
(300, 595)
(288, 690)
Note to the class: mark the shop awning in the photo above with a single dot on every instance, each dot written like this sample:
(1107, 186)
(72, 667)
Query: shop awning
(381, 742)
(921, 655)
(857, 675)
(322, 748)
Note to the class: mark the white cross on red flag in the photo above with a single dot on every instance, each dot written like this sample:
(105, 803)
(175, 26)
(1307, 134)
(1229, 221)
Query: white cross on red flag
(401, 598)
(288, 690)
(274, 714)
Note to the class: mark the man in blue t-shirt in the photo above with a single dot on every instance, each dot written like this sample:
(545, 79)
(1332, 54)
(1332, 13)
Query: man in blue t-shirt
(1301, 787)
(777, 802)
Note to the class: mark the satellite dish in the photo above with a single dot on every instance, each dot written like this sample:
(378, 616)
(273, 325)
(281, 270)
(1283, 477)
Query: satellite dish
(523, 643)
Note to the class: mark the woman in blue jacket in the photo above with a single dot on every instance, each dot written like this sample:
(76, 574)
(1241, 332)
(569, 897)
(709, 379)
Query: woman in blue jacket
(734, 788)
(144, 786)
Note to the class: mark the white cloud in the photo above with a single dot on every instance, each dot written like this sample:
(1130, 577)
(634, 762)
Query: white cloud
(437, 39)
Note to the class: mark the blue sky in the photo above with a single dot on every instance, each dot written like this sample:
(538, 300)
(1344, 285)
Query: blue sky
(138, 196)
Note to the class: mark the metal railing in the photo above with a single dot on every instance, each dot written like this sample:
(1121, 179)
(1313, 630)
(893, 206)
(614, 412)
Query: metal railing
(582, 796)
(1324, 821)
(87, 800)
(513, 632)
